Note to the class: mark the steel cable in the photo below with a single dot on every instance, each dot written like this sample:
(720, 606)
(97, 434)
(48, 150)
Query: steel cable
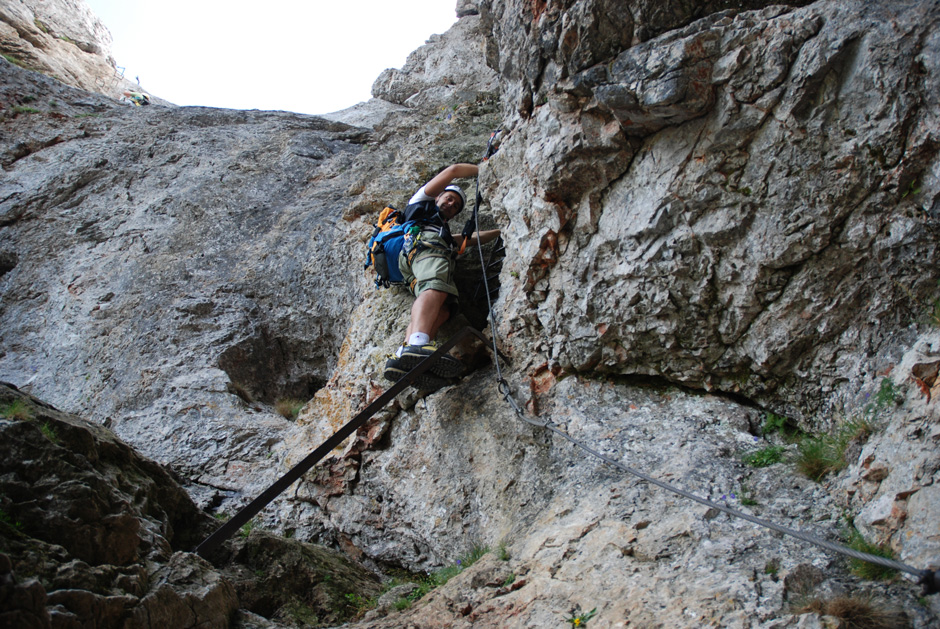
(927, 578)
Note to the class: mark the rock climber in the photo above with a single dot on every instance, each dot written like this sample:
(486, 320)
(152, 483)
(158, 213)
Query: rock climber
(137, 98)
(427, 264)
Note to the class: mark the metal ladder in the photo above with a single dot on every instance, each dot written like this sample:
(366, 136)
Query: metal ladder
(255, 506)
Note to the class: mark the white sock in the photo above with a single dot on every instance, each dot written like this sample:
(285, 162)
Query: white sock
(418, 338)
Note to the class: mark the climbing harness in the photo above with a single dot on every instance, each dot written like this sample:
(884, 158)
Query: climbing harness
(929, 579)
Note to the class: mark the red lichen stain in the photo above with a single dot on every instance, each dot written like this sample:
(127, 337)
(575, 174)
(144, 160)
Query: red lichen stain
(538, 8)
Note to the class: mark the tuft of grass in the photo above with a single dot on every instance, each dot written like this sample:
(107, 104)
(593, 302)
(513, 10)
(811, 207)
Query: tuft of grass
(823, 454)
(772, 567)
(818, 456)
(247, 528)
(440, 577)
(580, 619)
(773, 423)
(241, 391)
(475, 555)
(25, 109)
(289, 408)
(403, 603)
(16, 410)
(10, 521)
(357, 605)
(854, 612)
(746, 496)
(502, 552)
(764, 457)
(15, 61)
(865, 569)
(48, 431)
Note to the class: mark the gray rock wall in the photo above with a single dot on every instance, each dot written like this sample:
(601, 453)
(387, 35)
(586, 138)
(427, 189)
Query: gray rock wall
(709, 213)
(141, 235)
(64, 39)
(746, 204)
(95, 535)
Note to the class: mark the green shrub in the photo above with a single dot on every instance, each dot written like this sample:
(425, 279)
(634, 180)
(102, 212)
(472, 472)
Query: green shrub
(357, 605)
(772, 567)
(888, 395)
(764, 457)
(773, 423)
(403, 603)
(778, 424)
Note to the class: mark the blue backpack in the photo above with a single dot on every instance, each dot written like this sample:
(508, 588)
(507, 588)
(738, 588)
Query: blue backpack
(386, 243)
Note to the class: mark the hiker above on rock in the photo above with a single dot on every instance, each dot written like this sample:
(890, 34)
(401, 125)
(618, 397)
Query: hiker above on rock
(427, 263)
(137, 99)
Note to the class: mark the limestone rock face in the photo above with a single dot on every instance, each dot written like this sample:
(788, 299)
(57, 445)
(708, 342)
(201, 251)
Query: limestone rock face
(96, 535)
(711, 212)
(715, 184)
(64, 39)
(87, 520)
(136, 254)
(445, 71)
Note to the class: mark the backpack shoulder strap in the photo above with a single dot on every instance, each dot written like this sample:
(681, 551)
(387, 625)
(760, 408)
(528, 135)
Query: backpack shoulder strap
(422, 211)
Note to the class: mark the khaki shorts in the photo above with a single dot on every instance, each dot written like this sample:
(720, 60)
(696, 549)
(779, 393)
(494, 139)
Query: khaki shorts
(432, 267)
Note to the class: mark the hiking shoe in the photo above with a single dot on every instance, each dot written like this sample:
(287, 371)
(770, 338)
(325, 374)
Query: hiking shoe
(446, 366)
(395, 371)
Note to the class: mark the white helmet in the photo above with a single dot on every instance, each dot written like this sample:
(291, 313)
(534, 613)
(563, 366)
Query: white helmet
(459, 191)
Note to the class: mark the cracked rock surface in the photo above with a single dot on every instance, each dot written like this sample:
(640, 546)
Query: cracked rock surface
(718, 218)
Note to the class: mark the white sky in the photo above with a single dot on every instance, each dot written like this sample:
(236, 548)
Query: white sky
(305, 56)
